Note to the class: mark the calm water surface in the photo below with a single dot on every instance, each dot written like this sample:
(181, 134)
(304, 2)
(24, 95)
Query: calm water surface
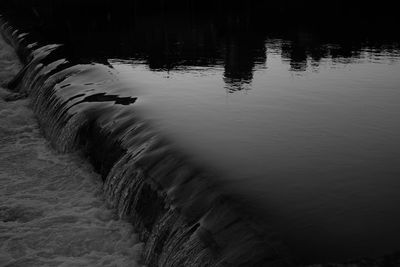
(316, 145)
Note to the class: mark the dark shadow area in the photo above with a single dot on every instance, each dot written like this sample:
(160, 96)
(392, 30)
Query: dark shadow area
(103, 97)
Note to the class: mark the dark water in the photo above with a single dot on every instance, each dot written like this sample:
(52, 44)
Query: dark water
(299, 118)
(318, 148)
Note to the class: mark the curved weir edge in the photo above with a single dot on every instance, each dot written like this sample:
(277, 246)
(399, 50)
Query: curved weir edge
(180, 211)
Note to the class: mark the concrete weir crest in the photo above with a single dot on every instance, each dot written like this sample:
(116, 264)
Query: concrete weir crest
(181, 212)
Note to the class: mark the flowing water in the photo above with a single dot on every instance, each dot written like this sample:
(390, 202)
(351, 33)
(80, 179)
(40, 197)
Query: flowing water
(300, 126)
(52, 210)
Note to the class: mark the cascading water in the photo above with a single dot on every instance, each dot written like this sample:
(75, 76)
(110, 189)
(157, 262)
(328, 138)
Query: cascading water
(180, 211)
(51, 208)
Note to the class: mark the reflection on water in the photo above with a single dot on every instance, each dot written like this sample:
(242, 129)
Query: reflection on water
(302, 118)
(313, 141)
(232, 36)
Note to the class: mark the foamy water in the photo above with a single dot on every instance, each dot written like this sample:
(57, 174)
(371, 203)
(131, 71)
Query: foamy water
(52, 212)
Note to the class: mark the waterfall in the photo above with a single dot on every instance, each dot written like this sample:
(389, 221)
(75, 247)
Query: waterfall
(179, 209)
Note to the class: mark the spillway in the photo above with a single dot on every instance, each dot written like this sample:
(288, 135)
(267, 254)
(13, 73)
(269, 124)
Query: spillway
(52, 212)
(184, 216)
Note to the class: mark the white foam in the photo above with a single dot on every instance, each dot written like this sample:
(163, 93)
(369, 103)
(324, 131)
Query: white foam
(51, 207)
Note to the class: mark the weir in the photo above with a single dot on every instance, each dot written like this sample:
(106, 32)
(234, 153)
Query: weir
(181, 212)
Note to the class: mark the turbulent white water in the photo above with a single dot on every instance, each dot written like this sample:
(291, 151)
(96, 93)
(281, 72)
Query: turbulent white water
(51, 207)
